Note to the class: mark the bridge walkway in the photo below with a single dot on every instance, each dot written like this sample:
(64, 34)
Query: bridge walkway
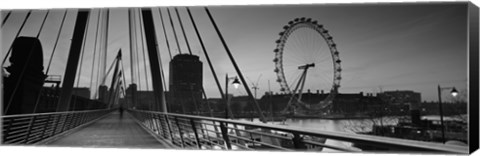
(111, 131)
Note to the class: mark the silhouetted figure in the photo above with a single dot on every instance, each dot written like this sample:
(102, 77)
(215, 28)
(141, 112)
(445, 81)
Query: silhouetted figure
(120, 110)
(26, 77)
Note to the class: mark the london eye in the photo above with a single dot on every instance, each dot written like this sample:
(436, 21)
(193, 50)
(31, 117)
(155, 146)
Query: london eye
(306, 58)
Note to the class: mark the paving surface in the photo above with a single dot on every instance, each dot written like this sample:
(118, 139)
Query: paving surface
(111, 131)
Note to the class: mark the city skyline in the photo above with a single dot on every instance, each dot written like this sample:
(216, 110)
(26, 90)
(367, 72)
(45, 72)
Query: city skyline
(382, 47)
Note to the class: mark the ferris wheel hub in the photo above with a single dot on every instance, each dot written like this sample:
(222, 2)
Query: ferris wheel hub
(306, 66)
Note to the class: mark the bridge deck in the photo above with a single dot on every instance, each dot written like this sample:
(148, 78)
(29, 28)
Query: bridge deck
(111, 131)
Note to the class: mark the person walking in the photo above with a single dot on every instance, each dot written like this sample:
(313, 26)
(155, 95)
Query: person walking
(120, 110)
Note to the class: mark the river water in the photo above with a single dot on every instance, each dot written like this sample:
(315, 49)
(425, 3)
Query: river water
(346, 125)
(336, 125)
(339, 125)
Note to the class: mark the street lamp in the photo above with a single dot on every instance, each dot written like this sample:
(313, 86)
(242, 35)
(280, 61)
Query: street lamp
(454, 93)
(235, 84)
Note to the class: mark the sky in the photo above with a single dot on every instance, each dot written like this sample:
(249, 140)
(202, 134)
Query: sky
(383, 47)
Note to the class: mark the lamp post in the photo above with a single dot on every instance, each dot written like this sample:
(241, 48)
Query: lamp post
(235, 84)
(454, 93)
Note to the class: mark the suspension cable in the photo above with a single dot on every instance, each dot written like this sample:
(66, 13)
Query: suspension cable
(237, 69)
(183, 30)
(161, 71)
(206, 54)
(123, 75)
(107, 18)
(104, 79)
(103, 46)
(132, 49)
(6, 17)
(56, 42)
(143, 51)
(160, 57)
(100, 54)
(43, 23)
(136, 50)
(165, 33)
(16, 36)
(208, 103)
(38, 35)
(95, 50)
(116, 79)
(174, 32)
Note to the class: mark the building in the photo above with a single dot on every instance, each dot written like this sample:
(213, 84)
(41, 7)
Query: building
(145, 99)
(185, 83)
(405, 100)
(139, 99)
(82, 92)
(401, 97)
(272, 105)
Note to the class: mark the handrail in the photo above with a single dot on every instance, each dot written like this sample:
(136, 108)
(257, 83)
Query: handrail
(49, 113)
(193, 132)
(32, 128)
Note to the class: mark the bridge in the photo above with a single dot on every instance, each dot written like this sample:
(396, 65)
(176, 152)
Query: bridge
(37, 114)
(157, 130)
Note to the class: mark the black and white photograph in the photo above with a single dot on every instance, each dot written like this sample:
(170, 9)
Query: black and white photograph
(384, 77)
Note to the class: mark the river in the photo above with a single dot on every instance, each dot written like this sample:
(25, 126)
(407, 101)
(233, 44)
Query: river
(335, 125)
(342, 125)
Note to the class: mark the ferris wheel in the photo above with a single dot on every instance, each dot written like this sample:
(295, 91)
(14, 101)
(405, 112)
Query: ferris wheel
(305, 47)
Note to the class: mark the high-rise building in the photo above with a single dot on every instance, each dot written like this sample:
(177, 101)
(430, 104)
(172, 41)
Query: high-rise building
(185, 84)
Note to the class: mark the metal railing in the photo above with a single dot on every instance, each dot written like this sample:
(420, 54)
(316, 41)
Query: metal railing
(32, 128)
(196, 132)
